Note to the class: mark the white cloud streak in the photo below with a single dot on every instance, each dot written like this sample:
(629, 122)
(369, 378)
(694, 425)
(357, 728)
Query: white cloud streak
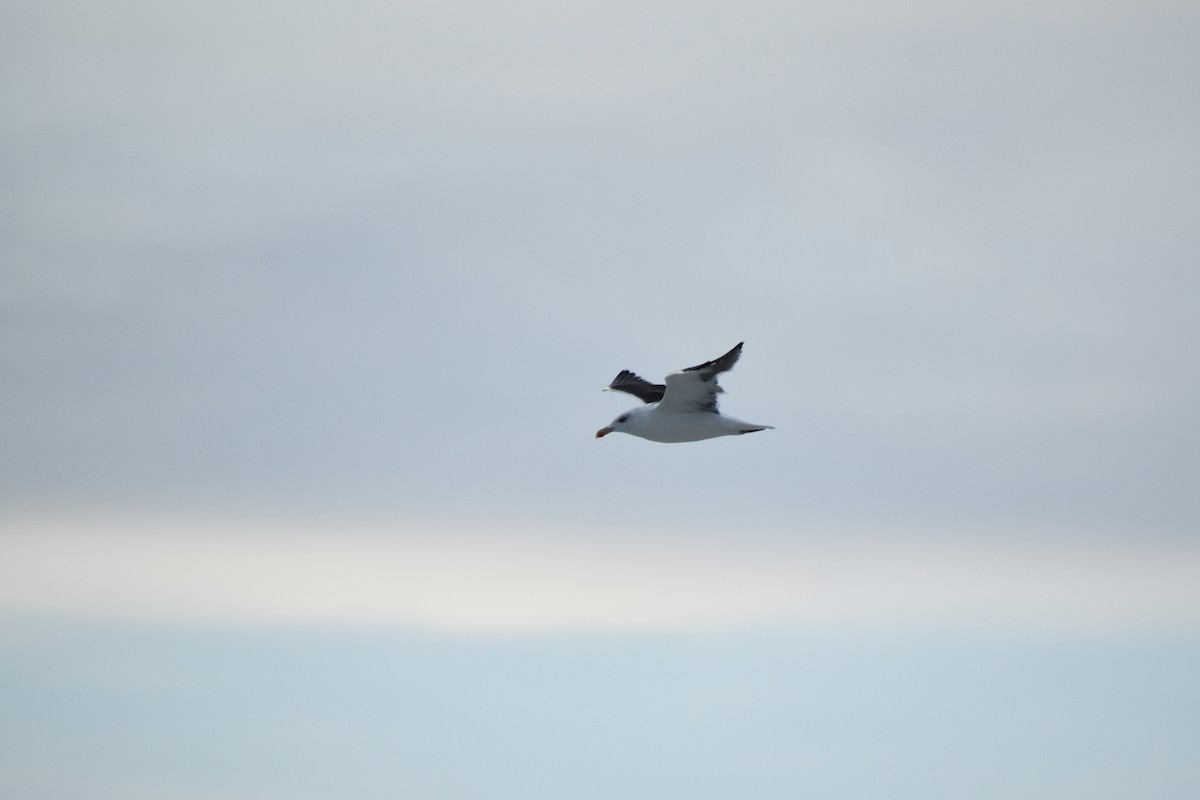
(500, 582)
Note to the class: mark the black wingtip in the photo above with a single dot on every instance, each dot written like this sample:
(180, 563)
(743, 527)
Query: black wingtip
(722, 364)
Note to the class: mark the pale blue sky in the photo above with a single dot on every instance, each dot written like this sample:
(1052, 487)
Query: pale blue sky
(305, 310)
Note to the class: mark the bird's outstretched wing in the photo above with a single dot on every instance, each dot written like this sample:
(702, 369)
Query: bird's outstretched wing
(695, 388)
(639, 387)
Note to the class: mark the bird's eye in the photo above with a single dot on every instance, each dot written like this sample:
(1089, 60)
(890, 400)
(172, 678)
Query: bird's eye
(622, 418)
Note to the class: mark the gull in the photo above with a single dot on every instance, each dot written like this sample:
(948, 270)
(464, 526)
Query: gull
(682, 410)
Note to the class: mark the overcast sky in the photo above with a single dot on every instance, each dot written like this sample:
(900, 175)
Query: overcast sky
(328, 292)
(386, 255)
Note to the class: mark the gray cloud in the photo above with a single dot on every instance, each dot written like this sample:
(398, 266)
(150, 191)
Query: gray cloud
(385, 256)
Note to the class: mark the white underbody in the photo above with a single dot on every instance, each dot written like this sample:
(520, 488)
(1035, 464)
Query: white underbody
(662, 425)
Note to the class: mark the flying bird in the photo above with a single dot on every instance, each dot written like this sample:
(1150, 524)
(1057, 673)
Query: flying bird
(682, 410)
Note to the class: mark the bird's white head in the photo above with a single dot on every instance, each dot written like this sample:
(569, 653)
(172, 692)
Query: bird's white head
(622, 423)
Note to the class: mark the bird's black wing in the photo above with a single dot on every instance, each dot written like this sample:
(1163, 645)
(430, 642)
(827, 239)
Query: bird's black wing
(640, 388)
(710, 369)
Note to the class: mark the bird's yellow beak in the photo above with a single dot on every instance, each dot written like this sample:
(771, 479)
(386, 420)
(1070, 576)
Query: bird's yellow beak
(603, 432)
